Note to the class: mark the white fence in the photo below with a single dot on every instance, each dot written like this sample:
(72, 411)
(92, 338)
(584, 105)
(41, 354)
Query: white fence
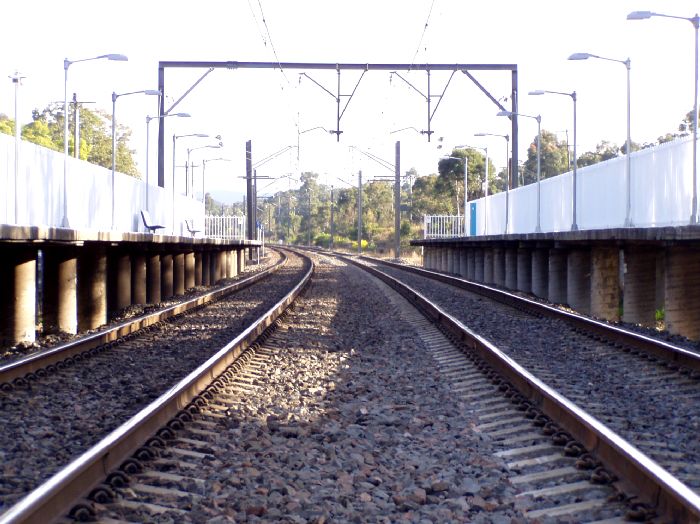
(36, 196)
(227, 227)
(661, 183)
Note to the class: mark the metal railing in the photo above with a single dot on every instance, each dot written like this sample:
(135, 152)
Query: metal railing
(443, 226)
(226, 227)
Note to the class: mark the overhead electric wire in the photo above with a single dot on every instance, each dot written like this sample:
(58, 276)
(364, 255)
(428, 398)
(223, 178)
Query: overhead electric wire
(425, 28)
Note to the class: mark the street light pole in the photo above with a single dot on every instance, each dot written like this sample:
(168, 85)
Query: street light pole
(628, 162)
(574, 221)
(66, 64)
(507, 168)
(148, 141)
(17, 80)
(150, 92)
(509, 114)
(695, 20)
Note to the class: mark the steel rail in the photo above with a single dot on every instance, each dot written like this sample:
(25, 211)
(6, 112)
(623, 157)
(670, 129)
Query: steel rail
(54, 498)
(55, 355)
(658, 348)
(673, 499)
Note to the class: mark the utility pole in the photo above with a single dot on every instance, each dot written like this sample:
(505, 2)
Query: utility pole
(250, 196)
(359, 212)
(308, 232)
(397, 201)
(330, 246)
(76, 140)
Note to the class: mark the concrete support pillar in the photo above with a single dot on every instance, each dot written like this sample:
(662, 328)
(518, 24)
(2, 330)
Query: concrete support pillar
(179, 274)
(639, 301)
(153, 278)
(92, 287)
(463, 262)
(540, 272)
(138, 278)
(499, 266)
(198, 268)
(660, 279)
(450, 259)
(427, 258)
(166, 276)
(683, 292)
(479, 264)
(206, 255)
(605, 282)
(488, 266)
(471, 263)
(17, 296)
(60, 290)
(556, 285)
(524, 271)
(511, 258)
(221, 269)
(231, 263)
(456, 252)
(241, 260)
(578, 280)
(213, 268)
(189, 270)
(118, 280)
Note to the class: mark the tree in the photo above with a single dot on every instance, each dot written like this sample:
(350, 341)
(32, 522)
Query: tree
(554, 158)
(603, 151)
(46, 129)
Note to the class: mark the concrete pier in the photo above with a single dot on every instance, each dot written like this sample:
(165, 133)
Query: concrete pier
(488, 266)
(179, 274)
(18, 296)
(60, 297)
(499, 266)
(511, 258)
(682, 312)
(556, 282)
(92, 287)
(578, 281)
(478, 265)
(605, 282)
(166, 276)
(540, 272)
(138, 278)
(639, 303)
(524, 270)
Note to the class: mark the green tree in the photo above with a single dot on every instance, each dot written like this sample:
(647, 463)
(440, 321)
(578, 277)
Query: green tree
(554, 158)
(46, 129)
(603, 151)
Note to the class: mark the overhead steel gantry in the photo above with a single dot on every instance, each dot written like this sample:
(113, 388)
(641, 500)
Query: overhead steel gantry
(393, 68)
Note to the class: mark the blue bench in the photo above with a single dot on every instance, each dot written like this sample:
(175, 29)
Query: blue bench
(148, 222)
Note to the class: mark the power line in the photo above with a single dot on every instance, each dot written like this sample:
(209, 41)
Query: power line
(257, 24)
(425, 28)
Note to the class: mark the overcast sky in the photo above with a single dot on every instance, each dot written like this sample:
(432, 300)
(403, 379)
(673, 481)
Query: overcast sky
(271, 108)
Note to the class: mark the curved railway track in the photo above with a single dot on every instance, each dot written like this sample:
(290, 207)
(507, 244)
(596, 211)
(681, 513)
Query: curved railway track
(77, 393)
(643, 389)
(386, 435)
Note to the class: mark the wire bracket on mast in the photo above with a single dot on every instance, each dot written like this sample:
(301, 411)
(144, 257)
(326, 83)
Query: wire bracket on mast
(337, 97)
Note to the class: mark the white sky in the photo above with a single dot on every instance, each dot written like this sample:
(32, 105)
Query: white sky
(265, 106)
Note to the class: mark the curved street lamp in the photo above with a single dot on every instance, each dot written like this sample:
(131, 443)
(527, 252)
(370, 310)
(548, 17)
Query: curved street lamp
(695, 20)
(628, 170)
(507, 180)
(150, 92)
(66, 64)
(574, 224)
(509, 114)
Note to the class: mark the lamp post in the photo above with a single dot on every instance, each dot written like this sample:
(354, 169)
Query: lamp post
(574, 223)
(509, 114)
(507, 137)
(486, 180)
(150, 92)
(66, 64)
(188, 162)
(204, 166)
(148, 141)
(695, 20)
(190, 135)
(466, 169)
(627, 64)
(17, 80)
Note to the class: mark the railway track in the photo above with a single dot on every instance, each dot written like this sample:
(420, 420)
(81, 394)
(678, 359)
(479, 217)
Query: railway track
(379, 413)
(56, 404)
(643, 389)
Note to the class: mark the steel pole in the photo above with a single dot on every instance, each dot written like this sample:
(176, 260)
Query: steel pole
(397, 201)
(332, 223)
(628, 163)
(538, 229)
(508, 175)
(114, 148)
(694, 215)
(64, 221)
(18, 134)
(486, 189)
(359, 212)
(148, 126)
(466, 196)
(574, 224)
